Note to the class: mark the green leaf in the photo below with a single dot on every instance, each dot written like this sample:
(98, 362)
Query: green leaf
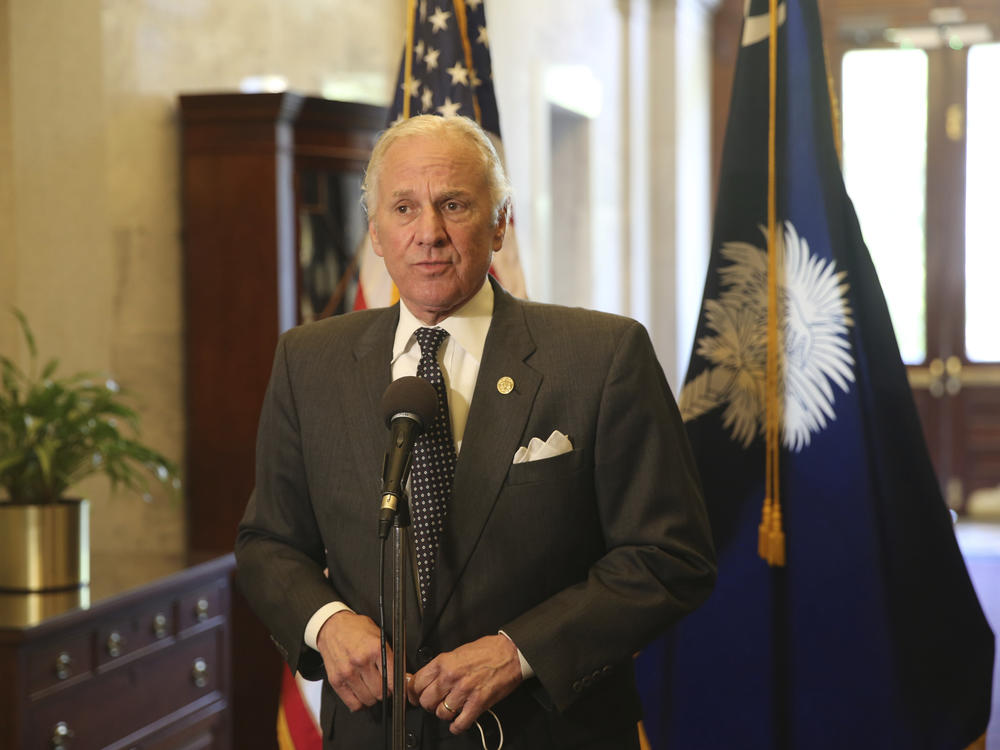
(26, 329)
(52, 428)
(49, 369)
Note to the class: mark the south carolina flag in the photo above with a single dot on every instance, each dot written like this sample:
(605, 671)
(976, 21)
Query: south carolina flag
(870, 634)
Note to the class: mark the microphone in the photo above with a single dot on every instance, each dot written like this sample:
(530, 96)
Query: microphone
(408, 405)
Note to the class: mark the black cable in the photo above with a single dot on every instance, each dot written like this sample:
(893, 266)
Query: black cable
(386, 723)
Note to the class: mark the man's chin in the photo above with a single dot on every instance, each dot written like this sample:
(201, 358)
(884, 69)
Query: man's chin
(430, 306)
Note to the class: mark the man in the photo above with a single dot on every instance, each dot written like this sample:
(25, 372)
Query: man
(548, 574)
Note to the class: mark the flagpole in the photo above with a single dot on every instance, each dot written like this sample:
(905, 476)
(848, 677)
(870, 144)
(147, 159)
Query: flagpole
(467, 50)
(408, 62)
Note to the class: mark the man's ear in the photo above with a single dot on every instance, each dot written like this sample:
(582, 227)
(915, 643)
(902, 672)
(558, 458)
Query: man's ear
(501, 228)
(373, 234)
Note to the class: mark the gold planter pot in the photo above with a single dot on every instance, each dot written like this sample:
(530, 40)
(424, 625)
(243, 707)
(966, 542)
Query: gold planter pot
(44, 547)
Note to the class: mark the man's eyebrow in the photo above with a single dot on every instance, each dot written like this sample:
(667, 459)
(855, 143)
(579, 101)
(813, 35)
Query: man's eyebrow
(456, 193)
(444, 196)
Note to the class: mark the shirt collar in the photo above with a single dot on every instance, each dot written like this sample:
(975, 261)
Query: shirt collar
(468, 325)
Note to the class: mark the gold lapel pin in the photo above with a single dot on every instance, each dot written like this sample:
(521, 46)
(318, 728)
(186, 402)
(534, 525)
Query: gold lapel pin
(505, 385)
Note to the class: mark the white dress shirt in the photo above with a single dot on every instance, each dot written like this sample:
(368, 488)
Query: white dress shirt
(459, 356)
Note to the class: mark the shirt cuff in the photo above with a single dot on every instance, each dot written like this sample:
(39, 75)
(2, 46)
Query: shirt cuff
(526, 671)
(317, 621)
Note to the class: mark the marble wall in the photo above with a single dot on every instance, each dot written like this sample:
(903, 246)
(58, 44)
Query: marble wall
(636, 74)
(89, 205)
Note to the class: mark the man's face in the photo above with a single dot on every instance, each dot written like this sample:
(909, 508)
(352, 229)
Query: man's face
(433, 223)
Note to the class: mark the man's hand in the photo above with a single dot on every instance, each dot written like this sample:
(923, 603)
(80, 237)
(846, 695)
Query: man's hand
(470, 679)
(352, 654)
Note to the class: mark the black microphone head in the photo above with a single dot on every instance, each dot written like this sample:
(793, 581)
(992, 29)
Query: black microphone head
(410, 394)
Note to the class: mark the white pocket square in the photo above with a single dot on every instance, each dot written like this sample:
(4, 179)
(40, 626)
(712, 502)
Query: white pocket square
(556, 445)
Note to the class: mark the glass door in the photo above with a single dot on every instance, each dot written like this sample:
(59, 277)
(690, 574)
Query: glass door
(921, 155)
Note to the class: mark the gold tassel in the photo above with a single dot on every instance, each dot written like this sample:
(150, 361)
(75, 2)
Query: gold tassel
(776, 540)
(764, 530)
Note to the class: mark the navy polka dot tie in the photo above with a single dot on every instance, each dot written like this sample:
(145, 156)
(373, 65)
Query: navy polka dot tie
(433, 465)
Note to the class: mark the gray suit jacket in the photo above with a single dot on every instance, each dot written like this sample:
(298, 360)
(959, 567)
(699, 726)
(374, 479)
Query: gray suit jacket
(581, 559)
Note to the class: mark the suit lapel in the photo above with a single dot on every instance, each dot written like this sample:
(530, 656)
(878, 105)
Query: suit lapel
(369, 378)
(492, 435)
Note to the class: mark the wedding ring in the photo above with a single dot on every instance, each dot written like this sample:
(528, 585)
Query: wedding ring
(448, 708)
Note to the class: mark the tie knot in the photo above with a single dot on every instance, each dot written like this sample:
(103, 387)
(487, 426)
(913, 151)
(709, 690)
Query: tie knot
(430, 340)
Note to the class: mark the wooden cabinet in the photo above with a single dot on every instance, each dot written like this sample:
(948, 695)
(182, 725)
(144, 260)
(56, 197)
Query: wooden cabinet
(122, 664)
(271, 215)
(259, 172)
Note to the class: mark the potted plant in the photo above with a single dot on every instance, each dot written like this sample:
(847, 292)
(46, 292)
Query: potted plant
(55, 432)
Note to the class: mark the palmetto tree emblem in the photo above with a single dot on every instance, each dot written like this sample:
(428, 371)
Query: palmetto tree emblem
(814, 321)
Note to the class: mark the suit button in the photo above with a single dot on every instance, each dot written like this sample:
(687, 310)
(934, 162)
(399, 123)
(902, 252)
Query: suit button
(411, 739)
(577, 686)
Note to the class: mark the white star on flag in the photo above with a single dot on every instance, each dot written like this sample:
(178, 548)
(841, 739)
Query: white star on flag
(431, 58)
(426, 99)
(412, 88)
(483, 39)
(449, 108)
(459, 74)
(439, 20)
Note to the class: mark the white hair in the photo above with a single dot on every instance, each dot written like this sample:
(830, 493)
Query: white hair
(454, 127)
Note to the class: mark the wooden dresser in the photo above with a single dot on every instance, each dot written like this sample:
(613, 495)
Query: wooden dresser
(139, 659)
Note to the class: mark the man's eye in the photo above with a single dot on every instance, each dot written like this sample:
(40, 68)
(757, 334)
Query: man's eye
(452, 206)
(402, 210)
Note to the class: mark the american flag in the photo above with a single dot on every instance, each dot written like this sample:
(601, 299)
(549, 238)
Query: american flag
(445, 70)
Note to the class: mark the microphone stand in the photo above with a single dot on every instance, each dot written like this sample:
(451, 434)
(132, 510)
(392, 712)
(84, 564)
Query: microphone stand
(401, 545)
(400, 540)
(405, 426)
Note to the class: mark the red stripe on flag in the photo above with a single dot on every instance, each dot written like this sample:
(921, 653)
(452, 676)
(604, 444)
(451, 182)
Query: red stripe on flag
(301, 726)
(359, 299)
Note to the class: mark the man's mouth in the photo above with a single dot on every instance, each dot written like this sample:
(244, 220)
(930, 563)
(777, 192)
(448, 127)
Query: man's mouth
(433, 265)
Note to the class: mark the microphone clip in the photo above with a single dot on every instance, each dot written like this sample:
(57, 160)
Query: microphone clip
(395, 509)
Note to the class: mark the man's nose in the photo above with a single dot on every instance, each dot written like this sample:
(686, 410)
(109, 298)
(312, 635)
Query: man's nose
(430, 228)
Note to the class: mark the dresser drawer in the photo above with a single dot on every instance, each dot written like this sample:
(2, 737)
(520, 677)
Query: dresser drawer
(134, 630)
(126, 698)
(62, 661)
(201, 605)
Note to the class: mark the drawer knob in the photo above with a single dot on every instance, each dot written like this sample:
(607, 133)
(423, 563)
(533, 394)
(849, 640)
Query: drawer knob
(199, 672)
(160, 625)
(64, 665)
(201, 609)
(61, 735)
(115, 643)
